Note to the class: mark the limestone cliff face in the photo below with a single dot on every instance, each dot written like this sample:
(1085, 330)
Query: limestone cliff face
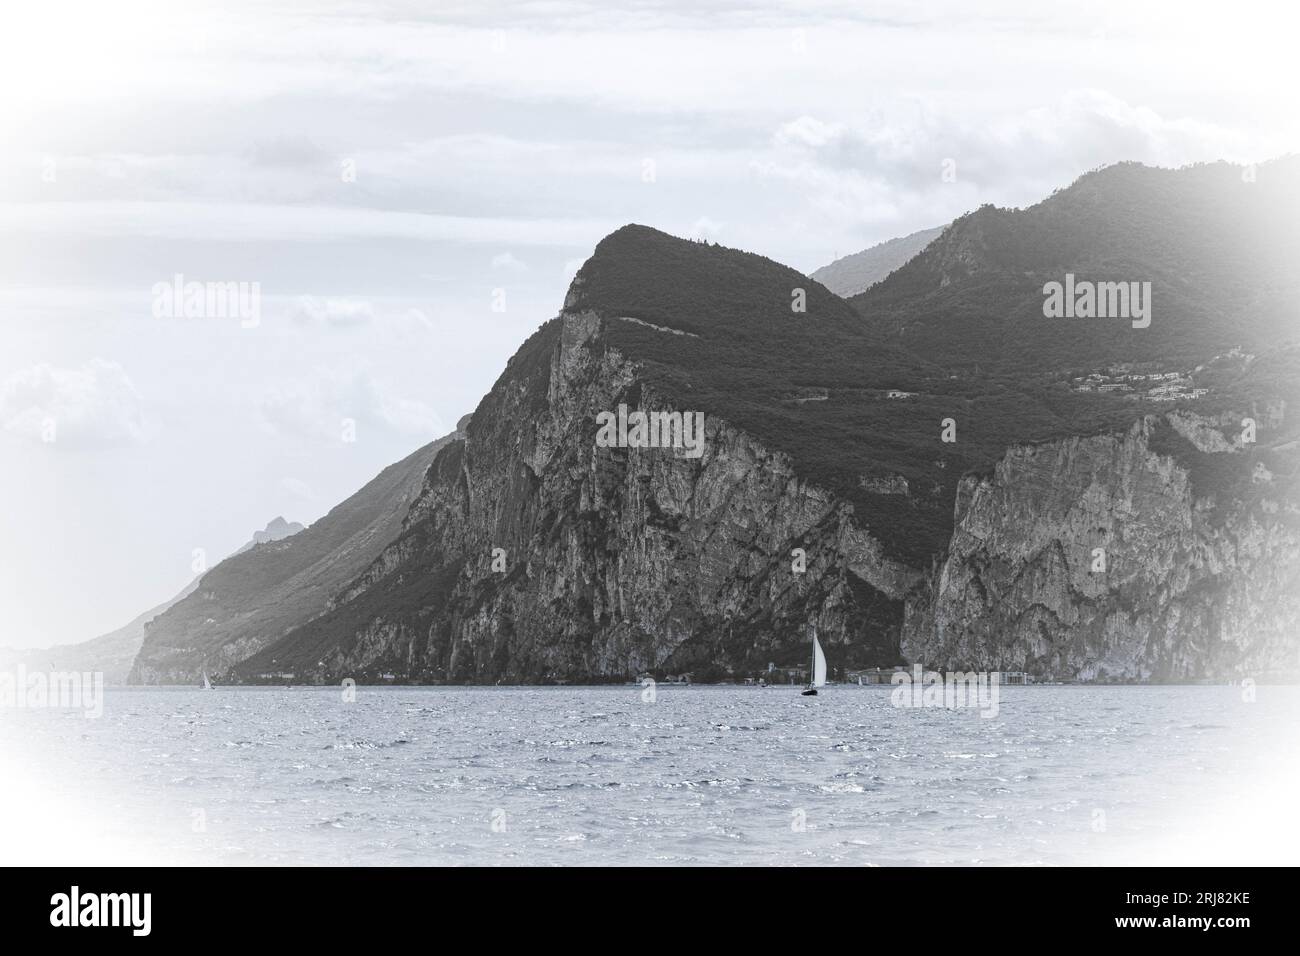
(1201, 573)
(529, 553)
(533, 554)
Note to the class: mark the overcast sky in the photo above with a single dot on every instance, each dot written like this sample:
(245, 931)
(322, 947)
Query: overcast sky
(380, 169)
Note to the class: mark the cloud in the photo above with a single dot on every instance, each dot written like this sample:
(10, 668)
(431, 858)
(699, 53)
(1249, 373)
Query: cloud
(507, 262)
(418, 319)
(1052, 144)
(334, 313)
(570, 268)
(896, 170)
(341, 407)
(704, 228)
(292, 152)
(379, 325)
(96, 405)
(248, 222)
(808, 131)
(298, 488)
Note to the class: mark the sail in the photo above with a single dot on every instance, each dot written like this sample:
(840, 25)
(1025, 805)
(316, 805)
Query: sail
(207, 685)
(819, 663)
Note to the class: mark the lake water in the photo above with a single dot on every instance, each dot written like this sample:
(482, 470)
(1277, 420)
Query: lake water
(595, 775)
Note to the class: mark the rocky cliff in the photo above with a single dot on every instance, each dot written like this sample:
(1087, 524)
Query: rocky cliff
(534, 554)
(961, 525)
(1137, 556)
(1164, 552)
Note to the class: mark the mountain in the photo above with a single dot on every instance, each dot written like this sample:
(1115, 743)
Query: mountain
(114, 653)
(1136, 556)
(533, 555)
(276, 530)
(1217, 244)
(815, 384)
(934, 472)
(858, 272)
(925, 476)
(281, 578)
(111, 654)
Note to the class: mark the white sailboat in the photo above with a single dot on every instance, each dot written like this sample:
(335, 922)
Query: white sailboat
(818, 666)
(207, 684)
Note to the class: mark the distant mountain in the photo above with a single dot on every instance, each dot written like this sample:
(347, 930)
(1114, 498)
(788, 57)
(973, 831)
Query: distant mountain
(111, 654)
(1218, 244)
(858, 272)
(114, 653)
(280, 579)
(277, 530)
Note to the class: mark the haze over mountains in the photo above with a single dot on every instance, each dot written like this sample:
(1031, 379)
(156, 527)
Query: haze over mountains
(277, 530)
(948, 460)
(113, 654)
(860, 271)
(252, 598)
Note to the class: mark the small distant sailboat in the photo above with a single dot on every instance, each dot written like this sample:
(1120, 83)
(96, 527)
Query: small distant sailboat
(207, 684)
(818, 667)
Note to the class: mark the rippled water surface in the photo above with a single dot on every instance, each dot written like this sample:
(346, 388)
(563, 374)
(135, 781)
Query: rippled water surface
(701, 775)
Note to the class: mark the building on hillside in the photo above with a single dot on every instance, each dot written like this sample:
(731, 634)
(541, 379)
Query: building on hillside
(873, 675)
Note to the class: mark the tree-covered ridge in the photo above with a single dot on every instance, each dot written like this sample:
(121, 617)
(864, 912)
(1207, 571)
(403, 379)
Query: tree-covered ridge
(961, 327)
(750, 359)
(1219, 244)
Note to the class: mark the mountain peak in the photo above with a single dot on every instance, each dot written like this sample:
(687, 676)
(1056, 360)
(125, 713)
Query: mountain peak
(696, 287)
(276, 529)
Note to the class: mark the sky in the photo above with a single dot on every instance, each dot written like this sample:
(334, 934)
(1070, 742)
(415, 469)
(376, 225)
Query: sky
(409, 188)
